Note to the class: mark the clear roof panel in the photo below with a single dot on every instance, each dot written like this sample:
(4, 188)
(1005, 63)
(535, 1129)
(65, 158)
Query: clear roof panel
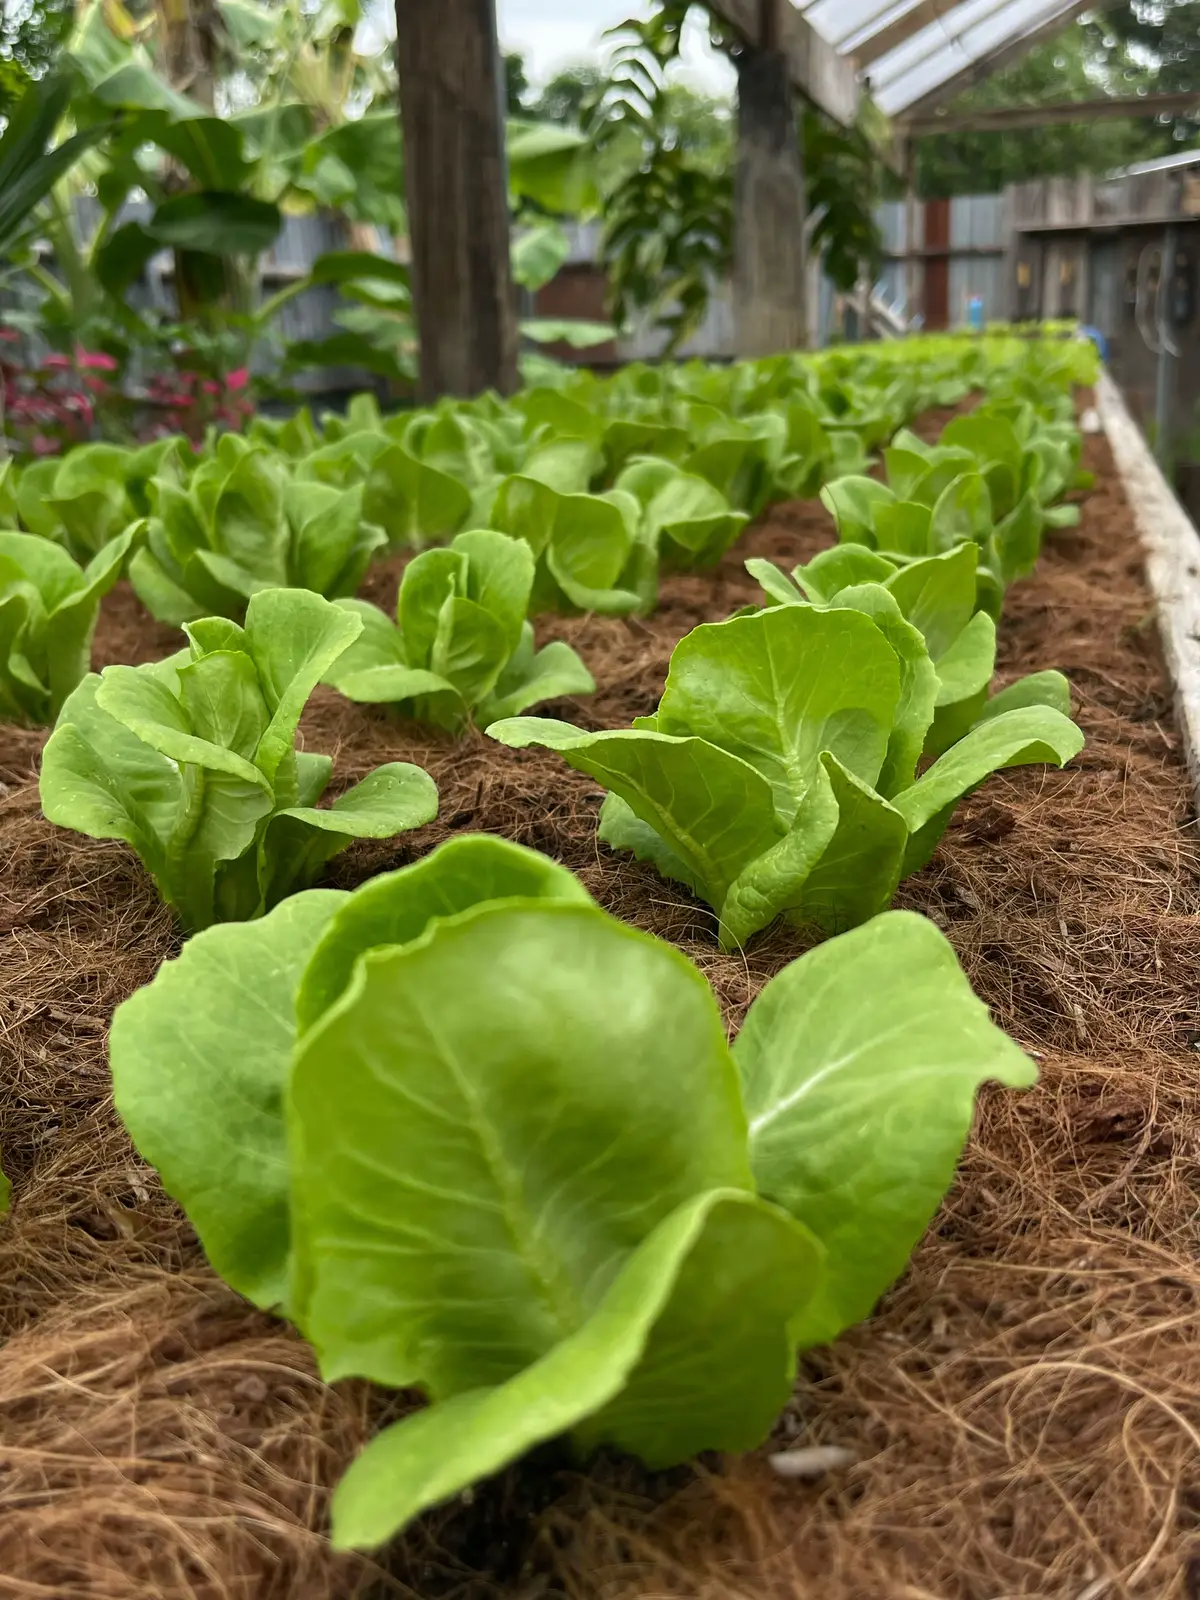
(842, 20)
(971, 47)
(948, 32)
(960, 36)
(856, 38)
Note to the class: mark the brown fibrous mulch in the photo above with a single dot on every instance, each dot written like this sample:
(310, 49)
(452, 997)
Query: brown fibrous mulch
(1022, 1411)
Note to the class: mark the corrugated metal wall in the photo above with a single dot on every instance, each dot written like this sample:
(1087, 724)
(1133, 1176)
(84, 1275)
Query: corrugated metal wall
(970, 262)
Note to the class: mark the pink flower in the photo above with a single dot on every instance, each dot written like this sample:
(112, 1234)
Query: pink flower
(9, 334)
(210, 387)
(97, 385)
(43, 446)
(57, 363)
(95, 360)
(237, 379)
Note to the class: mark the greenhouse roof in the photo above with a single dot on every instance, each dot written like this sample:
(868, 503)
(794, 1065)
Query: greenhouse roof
(914, 54)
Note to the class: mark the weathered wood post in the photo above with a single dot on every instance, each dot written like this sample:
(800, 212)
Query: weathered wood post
(456, 190)
(769, 199)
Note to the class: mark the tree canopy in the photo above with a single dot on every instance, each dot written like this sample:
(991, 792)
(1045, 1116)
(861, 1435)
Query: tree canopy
(32, 32)
(1116, 53)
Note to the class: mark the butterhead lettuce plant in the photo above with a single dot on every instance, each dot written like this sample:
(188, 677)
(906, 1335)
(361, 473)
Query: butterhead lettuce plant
(241, 524)
(413, 501)
(567, 1207)
(461, 647)
(687, 519)
(193, 763)
(90, 495)
(931, 504)
(594, 552)
(778, 774)
(48, 611)
(938, 595)
(1023, 453)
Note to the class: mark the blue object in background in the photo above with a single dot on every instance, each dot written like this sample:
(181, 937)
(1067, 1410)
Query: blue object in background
(1097, 339)
(975, 313)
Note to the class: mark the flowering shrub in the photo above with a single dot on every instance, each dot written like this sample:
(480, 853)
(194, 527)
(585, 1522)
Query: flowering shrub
(52, 405)
(189, 400)
(68, 399)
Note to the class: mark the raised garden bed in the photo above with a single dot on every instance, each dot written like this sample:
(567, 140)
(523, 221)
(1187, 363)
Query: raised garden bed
(1023, 1411)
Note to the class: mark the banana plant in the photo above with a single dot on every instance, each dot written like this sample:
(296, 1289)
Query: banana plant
(31, 163)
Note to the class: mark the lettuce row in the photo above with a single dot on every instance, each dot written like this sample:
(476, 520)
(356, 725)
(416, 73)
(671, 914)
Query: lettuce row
(551, 1214)
(653, 465)
(193, 763)
(48, 611)
(461, 647)
(699, 450)
(778, 775)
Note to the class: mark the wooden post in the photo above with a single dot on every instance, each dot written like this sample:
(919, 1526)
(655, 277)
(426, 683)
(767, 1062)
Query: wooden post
(769, 201)
(456, 188)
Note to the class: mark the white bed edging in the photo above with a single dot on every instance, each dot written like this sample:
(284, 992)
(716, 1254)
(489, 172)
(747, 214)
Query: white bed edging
(1172, 547)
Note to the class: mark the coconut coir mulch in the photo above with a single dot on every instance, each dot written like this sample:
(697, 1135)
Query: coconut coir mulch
(1023, 1409)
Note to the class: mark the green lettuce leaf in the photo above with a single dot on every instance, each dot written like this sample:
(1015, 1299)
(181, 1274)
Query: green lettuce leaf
(859, 1066)
(48, 612)
(635, 1373)
(200, 1058)
(429, 1247)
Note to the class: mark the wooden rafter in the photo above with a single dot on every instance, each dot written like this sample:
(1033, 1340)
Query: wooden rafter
(823, 77)
(1104, 108)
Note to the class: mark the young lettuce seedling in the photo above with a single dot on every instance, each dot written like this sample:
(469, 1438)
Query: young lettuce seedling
(461, 647)
(553, 1214)
(778, 774)
(193, 762)
(593, 552)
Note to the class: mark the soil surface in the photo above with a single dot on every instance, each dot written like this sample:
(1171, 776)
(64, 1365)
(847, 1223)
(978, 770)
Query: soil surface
(1024, 1408)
